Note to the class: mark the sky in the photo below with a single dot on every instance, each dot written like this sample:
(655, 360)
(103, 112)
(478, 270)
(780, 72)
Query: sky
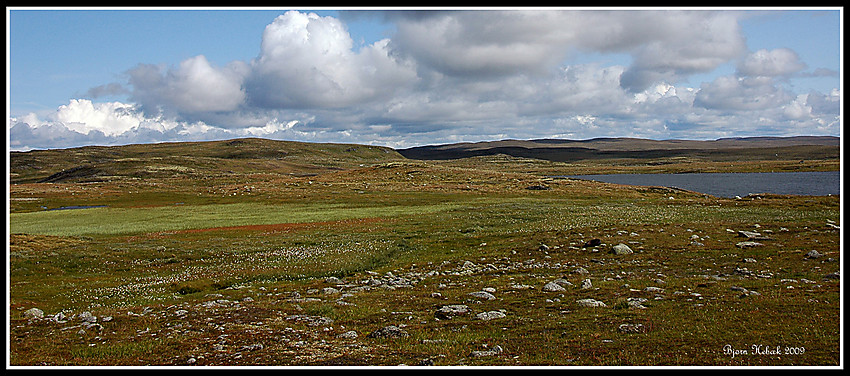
(404, 77)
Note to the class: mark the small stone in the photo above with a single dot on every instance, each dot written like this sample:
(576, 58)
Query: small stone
(636, 303)
(333, 281)
(483, 295)
(621, 249)
(254, 347)
(748, 244)
(447, 312)
(87, 317)
(590, 303)
(390, 331)
(553, 287)
(348, 335)
(34, 313)
(631, 328)
(752, 235)
(330, 291)
(494, 351)
(491, 315)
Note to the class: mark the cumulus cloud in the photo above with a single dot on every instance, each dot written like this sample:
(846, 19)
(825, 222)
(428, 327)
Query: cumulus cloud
(457, 76)
(778, 62)
(82, 122)
(742, 94)
(195, 86)
(307, 61)
(681, 44)
(665, 45)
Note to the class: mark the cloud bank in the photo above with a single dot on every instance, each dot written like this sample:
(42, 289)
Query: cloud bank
(458, 76)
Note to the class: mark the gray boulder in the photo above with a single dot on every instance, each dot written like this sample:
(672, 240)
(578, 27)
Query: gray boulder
(483, 295)
(34, 313)
(447, 312)
(621, 249)
(491, 315)
(390, 331)
(553, 287)
(590, 303)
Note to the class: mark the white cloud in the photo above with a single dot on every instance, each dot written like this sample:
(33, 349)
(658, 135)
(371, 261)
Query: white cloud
(778, 62)
(730, 93)
(665, 45)
(307, 61)
(194, 86)
(83, 116)
(458, 76)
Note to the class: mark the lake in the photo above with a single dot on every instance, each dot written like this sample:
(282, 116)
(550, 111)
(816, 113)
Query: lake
(733, 184)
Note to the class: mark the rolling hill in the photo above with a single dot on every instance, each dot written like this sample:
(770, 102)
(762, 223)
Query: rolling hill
(801, 147)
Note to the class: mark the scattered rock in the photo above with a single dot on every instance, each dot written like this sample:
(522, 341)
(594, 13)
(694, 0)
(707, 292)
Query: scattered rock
(333, 281)
(636, 303)
(752, 235)
(61, 318)
(813, 254)
(254, 347)
(348, 335)
(748, 244)
(390, 331)
(631, 328)
(586, 284)
(621, 249)
(447, 312)
(491, 352)
(330, 291)
(87, 317)
(34, 313)
(483, 295)
(580, 270)
(311, 320)
(553, 287)
(491, 315)
(590, 303)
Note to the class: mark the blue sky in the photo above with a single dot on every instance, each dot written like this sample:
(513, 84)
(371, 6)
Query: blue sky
(115, 76)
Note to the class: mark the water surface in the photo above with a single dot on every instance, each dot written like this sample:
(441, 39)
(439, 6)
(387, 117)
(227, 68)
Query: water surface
(820, 183)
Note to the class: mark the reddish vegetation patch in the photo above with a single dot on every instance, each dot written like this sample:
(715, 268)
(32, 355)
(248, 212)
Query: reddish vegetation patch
(273, 228)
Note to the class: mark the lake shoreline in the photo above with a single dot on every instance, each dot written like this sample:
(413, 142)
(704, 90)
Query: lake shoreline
(730, 184)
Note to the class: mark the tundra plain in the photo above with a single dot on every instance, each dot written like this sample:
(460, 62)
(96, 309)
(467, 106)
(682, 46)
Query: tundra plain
(255, 252)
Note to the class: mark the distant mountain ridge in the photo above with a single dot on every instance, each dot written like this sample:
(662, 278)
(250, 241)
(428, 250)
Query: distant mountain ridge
(563, 150)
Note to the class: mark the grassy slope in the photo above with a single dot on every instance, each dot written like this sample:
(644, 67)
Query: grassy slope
(270, 234)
